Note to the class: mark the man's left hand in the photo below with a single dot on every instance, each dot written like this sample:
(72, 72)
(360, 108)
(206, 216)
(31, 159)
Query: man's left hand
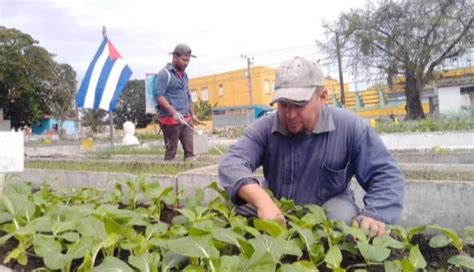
(196, 120)
(375, 228)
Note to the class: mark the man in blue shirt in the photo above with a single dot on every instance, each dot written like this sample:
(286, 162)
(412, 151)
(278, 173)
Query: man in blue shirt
(309, 153)
(175, 108)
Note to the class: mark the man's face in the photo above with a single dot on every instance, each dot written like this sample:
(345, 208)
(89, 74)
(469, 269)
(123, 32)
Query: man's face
(181, 62)
(302, 119)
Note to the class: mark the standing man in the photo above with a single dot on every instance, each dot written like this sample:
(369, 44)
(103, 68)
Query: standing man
(309, 153)
(175, 108)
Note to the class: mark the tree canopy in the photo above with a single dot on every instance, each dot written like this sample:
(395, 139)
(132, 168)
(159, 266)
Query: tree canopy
(31, 82)
(407, 38)
(131, 105)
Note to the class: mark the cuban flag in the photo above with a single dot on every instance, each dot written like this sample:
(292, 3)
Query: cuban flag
(104, 80)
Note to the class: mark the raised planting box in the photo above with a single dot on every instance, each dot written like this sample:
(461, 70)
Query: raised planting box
(141, 226)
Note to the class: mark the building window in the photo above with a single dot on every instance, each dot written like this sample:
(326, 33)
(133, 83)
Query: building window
(204, 94)
(221, 90)
(267, 86)
(194, 95)
(272, 89)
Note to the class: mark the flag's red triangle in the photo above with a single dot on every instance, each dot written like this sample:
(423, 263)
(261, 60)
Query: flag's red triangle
(113, 53)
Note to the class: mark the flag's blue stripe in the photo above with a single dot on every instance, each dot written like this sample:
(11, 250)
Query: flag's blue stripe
(104, 76)
(123, 80)
(81, 93)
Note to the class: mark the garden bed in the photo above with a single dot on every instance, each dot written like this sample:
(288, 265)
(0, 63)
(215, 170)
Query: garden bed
(142, 226)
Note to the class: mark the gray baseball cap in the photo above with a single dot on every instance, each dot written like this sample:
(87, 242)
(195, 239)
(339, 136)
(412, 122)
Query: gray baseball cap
(182, 49)
(296, 81)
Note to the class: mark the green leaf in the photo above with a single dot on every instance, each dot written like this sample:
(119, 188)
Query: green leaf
(155, 229)
(468, 233)
(201, 228)
(260, 261)
(112, 264)
(50, 250)
(79, 248)
(146, 262)
(462, 261)
(170, 261)
(317, 210)
(275, 246)
(194, 268)
(357, 233)
(194, 246)
(230, 263)
(5, 217)
(392, 266)
(271, 227)
(415, 230)
(305, 235)
(416, 258)
(439, 241)
(407, 266)
(372, 253)
(246, 247)
(7, 204)
(189, 214)
(92, 227)
(300, 266)
(316, 253)
(227, 236)
(387, 242)
(333, 257)
(451, 234)
(70, 236)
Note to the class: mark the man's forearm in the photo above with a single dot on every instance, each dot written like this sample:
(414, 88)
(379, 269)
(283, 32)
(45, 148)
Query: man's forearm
(165, 104)
(255, 195)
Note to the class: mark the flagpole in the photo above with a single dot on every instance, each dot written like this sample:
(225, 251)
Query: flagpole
(111, 118)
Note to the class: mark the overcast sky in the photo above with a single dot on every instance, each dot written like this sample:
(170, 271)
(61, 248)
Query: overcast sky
(144, 32)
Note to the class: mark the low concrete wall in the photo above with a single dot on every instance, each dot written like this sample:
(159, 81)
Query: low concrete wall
(428, 140)
(447, 203)
(60, 179)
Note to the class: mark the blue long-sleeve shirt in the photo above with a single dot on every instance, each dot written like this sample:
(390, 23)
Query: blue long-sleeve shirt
(312, 168)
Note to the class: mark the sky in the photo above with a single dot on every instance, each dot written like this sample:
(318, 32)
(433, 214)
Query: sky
(144, 32)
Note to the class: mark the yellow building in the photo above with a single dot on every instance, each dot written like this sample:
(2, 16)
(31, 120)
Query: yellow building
(231, 88)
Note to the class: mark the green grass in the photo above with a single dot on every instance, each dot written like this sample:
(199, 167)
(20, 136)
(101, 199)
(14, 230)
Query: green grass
(426, 125)
(114, 167)
(157, 151)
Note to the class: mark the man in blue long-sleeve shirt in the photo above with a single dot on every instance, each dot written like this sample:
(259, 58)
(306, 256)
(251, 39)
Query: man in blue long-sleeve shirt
(309, 153)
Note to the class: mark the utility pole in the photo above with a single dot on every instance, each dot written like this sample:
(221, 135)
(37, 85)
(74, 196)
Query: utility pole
(341, 79)
(111, 117)
(249, 76)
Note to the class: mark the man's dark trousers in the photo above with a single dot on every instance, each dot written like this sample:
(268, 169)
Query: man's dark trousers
(173, 134)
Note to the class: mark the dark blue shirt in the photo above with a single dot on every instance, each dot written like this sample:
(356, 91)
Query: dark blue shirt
(312, 168)
(176, 90)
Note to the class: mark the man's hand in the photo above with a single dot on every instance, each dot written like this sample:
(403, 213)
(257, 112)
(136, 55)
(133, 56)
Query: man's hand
(196, 120)
(271, 212)
(375, 228)
(178, 117)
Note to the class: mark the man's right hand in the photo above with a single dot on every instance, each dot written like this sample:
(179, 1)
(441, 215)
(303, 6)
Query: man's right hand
(179, 117)
(271, 212)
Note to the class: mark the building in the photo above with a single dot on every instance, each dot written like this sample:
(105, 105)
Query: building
(50, 125)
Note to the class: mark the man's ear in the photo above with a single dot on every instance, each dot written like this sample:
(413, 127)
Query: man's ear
(323, 94)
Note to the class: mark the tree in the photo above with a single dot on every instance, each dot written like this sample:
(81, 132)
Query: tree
(406, 38)
(29, 83)
(203, 109)
(93, 118)
(131, 105)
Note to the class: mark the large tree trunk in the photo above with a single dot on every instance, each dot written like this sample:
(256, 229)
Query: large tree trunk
(413, 89)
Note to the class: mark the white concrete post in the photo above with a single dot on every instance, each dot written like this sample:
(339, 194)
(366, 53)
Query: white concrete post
(11, 155)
